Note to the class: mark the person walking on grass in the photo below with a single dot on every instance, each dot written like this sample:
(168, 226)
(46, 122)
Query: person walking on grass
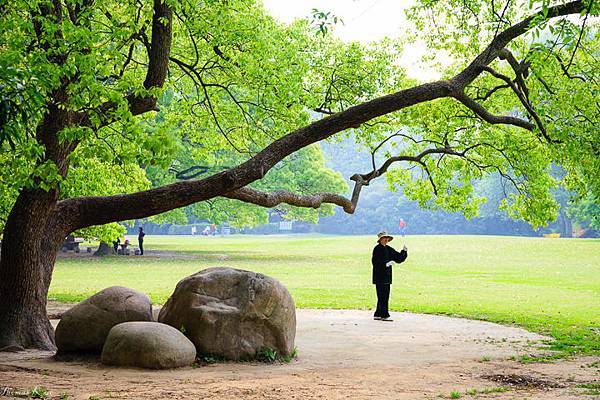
(141, 235)
(382, 259)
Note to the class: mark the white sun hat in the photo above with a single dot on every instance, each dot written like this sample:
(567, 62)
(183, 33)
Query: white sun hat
(383, 234)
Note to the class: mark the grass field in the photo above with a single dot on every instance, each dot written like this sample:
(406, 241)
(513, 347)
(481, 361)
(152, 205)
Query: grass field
(550, 286)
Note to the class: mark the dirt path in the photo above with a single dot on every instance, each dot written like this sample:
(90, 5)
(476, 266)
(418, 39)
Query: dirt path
(342, 355)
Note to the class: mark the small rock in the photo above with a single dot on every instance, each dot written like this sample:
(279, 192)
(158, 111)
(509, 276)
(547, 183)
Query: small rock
(147, 345)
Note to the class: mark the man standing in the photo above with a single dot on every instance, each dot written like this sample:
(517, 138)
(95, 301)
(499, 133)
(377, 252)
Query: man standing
(383, 256)
(141, 235)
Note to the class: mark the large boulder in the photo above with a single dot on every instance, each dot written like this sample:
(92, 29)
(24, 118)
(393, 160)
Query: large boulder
(232, 313)
(147, 345)
(84, 327)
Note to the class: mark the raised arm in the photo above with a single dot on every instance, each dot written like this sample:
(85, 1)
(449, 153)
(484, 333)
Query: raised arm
(398, 256)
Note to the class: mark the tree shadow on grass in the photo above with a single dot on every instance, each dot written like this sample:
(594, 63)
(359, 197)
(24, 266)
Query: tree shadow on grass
(157, 256)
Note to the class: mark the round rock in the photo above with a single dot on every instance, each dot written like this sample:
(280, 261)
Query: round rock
(147, 345)
(84, 327)
(232, 313)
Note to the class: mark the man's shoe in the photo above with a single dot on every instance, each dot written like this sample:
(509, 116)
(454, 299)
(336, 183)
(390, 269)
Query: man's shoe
(387, 319)
(377, 318)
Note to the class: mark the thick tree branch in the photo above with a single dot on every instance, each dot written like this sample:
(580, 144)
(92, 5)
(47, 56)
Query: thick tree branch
(273, 199)
(75, 9)
(86, 211)
(56, 117)
(160, 47)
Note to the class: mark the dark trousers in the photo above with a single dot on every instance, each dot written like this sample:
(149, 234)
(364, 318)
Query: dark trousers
(383, 298)
(141, 242)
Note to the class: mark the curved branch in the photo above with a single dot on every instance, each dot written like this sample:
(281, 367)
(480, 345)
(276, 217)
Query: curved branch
(418, 159)
(364, 179)
(379, 146)
(490, 118)
(566, 72)
(491, 92)
(587, 14)
(522, 98)
(270, 200)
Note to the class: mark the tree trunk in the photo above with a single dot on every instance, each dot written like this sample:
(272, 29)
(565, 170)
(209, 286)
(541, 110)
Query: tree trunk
(29, 247)
(566, 227)
(104, 249)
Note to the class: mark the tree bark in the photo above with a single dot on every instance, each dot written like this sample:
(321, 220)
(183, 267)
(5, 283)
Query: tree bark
(29, 247)
(104, 249)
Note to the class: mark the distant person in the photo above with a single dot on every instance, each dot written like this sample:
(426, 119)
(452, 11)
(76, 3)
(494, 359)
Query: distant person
(402, 227)
(383, 256)
(141, 235)
(193, 230)
(206, 230)
(116, 245)
(213, 229)
(124, 246)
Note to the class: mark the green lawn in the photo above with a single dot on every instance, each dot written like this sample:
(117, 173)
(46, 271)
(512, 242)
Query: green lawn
(546, 285)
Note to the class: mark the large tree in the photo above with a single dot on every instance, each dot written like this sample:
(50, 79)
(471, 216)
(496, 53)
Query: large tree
(83, 79)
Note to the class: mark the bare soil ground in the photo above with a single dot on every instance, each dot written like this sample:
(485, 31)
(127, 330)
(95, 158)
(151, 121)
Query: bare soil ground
(342, 355)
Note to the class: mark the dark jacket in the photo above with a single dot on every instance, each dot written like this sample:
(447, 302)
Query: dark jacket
(381, 256)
